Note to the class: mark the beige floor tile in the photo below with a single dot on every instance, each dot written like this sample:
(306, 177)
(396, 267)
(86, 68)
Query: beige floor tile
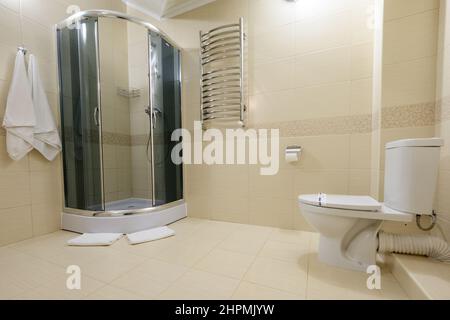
(291, 236)
(201, 285)
(205, 260)
(141, 284)
(286, 276)
(29, 272)
(110, 268)
(250, 291)
(57, 290)
(185, 254)
(187, 226)
(285, 251)
(161, 270)
(45, 246)
(11, 285)
(246, 240)
(177, 292)
(226, 263)
(148, 250)
(216, 231)
(327, 282)
(81, 256)
(113, 293)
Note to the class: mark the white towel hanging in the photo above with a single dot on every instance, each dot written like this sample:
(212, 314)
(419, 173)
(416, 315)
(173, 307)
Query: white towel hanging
(46, 135)
(19, 120)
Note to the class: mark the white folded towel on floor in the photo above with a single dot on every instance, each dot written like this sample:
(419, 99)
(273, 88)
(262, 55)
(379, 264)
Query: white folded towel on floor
(46, 135)
(19, 120)
(95, 239)
(150, 235)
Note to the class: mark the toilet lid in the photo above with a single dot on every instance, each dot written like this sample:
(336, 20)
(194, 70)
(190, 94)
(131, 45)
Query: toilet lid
(356, 203)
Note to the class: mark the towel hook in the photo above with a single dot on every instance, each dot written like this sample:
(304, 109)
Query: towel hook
(23, 49)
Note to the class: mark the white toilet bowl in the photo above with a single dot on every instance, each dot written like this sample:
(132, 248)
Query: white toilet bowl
(348, 227)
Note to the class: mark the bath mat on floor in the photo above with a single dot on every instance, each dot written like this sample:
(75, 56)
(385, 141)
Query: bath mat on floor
(150, 235)
(95, 239)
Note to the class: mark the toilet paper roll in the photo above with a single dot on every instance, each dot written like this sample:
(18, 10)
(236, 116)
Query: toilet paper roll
(291, 157)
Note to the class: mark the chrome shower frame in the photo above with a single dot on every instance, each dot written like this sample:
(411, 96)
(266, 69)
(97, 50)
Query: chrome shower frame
(175, 210)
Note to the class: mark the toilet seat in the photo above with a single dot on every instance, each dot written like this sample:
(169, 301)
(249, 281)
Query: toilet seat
(362, 207)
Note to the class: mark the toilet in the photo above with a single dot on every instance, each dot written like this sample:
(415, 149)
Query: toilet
(349, 225)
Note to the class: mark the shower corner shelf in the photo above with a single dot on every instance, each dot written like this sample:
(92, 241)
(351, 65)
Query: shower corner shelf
(222, 63)
(129, 92)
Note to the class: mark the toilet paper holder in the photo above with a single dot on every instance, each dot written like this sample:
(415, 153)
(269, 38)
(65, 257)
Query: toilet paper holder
(293, 153)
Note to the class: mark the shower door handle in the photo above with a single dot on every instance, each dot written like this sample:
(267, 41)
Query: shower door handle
(96, 116)
(155, 114)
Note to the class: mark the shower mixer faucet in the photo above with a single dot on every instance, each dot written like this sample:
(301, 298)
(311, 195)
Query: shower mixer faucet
(155, 114)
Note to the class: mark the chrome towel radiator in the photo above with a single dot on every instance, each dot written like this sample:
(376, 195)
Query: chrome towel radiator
(222, 76)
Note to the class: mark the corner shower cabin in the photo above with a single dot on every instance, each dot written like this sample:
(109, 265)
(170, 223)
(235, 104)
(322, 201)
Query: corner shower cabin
(120, 100)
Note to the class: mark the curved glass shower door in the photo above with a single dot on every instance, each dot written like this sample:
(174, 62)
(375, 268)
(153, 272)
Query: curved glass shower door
(80, 115)
(120, 100)
(166, 105)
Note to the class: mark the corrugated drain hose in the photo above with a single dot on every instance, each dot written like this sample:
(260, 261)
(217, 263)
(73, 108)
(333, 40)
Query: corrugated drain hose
(428, 246)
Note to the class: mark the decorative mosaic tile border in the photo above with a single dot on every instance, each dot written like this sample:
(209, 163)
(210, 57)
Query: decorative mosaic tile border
(443, 110)
(116, 138)
(321, 126)
(417, 115)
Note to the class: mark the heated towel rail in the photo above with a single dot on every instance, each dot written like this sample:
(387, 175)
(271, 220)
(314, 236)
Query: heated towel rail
(222, 75)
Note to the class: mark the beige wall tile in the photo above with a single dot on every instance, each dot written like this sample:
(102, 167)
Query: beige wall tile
(443, 192)
(274, 76)
(266, 14)
(316, 9)
(362, 61)
(230, 208)
(327, 32)
(47, 13)
(311, 182)
(360, 182)
(361, 96)
(45, 187)
(280, 185)
(4, 89)
(360, 151)
(265, 47)
(409, 82)
(11, 4)
(14, 189)
(271, 211)
(7, 57)
(40, 40)
(15, 224)
(362, 21)
(395, 9)
(46, 218)
(9, 27)
(323, 67)
(411, 37)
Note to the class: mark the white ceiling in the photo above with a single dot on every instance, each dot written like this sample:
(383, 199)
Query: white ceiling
(160, 9)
